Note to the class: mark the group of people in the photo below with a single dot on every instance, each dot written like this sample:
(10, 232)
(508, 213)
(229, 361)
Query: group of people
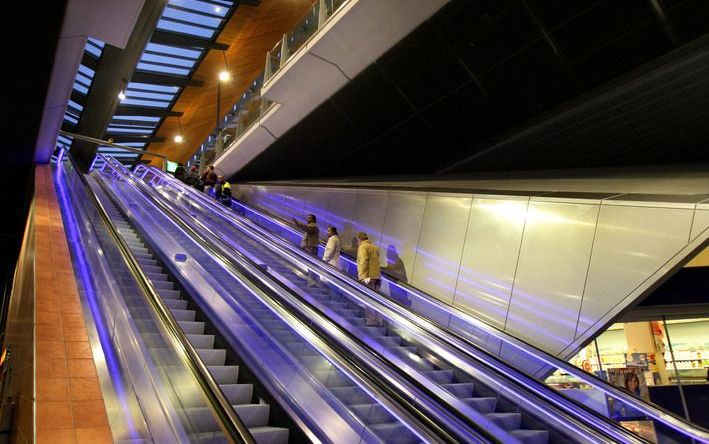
(206, 182)
(368, 266)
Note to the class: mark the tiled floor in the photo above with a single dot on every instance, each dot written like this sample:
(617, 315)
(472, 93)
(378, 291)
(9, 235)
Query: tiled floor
(70, 407)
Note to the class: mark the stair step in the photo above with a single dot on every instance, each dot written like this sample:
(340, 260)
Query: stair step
(351, 395)
(531, 436)
(169, 294)
(183, 315)
(211, 356)
(371, 413)
(461, 389)
(253, 415)
(224, 374)
(508, 421)
(269, 435)
(333, 378)
(441, 376)
(392, 433)
(483, 404)
(192, 327)
(176, 304)
(238, 393)
(201, 341)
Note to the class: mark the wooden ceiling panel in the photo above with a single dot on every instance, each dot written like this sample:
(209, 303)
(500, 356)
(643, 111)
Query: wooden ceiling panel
(250, 33)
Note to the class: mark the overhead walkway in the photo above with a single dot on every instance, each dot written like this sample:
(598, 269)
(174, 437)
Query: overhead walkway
(342, 299)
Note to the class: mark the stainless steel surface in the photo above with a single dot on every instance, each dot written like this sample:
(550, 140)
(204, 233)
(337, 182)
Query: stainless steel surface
(340, 209)
(218, 403)
(473, 270)
(400, 233)
(111, 144)
(623, 253)
(650, 410)
(443, 227)
(700, 223)
(370, 208)
(487, 268)
(551, 273)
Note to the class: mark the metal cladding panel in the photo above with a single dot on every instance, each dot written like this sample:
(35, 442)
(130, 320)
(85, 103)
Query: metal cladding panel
(370, 210)
(631, 244)
(700, 223)
(245, 193)
(556, 249)
(400, 234)
(270, 199)
(487, 268)
(293, 203)
(440, 246)
(340, 207)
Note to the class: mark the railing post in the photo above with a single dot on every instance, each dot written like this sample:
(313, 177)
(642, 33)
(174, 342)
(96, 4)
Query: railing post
(284, 50)
(322, 13)
(267, 69)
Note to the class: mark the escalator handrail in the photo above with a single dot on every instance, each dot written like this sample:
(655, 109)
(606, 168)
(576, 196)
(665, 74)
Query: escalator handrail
(227, 418)
(242, 265)
(579, 411)
(648, 409)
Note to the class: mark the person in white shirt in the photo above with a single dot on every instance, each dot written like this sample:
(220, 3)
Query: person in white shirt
(332, 248)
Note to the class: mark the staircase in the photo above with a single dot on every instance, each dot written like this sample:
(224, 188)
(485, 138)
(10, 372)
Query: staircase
(203, 425)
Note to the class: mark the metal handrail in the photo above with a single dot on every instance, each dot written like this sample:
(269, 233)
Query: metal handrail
(651, 410)
(239, 264)
(229, 421)
(476, 354)
(116, 145)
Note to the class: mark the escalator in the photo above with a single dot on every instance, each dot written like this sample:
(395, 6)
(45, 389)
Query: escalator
(514, 421)
(510, 413)
(254, 415)
(471, 336)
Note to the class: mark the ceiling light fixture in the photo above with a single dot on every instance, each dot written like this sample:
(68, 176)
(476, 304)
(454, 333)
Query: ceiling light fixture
(178, 137)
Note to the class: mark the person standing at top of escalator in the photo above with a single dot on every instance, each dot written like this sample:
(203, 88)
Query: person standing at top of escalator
(209, 178)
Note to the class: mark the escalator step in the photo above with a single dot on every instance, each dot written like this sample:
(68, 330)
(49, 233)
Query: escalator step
(483, 404)
(508, 421)
(183, 315)
(441, 376)
(253, 415)
(461, 389)
(238, 393)
(531, 436)
(351, 395)
(333, 378)
(176, 304)
(211, 356)
(269, 435)
(201, 341)
(389, 341)
(169, 294)
(224, 374)
(393, 433)
(371, 413)
(192, 327)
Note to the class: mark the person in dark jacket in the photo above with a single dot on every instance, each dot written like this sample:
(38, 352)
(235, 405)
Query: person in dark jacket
(180, 173)
(209, 179)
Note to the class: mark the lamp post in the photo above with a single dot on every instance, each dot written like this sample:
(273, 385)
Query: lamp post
(224, 76)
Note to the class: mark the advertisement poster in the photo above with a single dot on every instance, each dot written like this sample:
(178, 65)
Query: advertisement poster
(633, 380)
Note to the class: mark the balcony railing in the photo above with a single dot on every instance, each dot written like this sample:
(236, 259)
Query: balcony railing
(251, 106)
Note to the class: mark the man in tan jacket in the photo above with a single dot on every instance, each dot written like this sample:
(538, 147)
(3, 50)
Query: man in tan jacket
(369, 272)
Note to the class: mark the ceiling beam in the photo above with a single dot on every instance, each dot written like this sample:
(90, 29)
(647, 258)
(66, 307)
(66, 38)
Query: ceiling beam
(169, 38)
(123, 138)
(114, 67)
(129, 110)
(164, 79)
